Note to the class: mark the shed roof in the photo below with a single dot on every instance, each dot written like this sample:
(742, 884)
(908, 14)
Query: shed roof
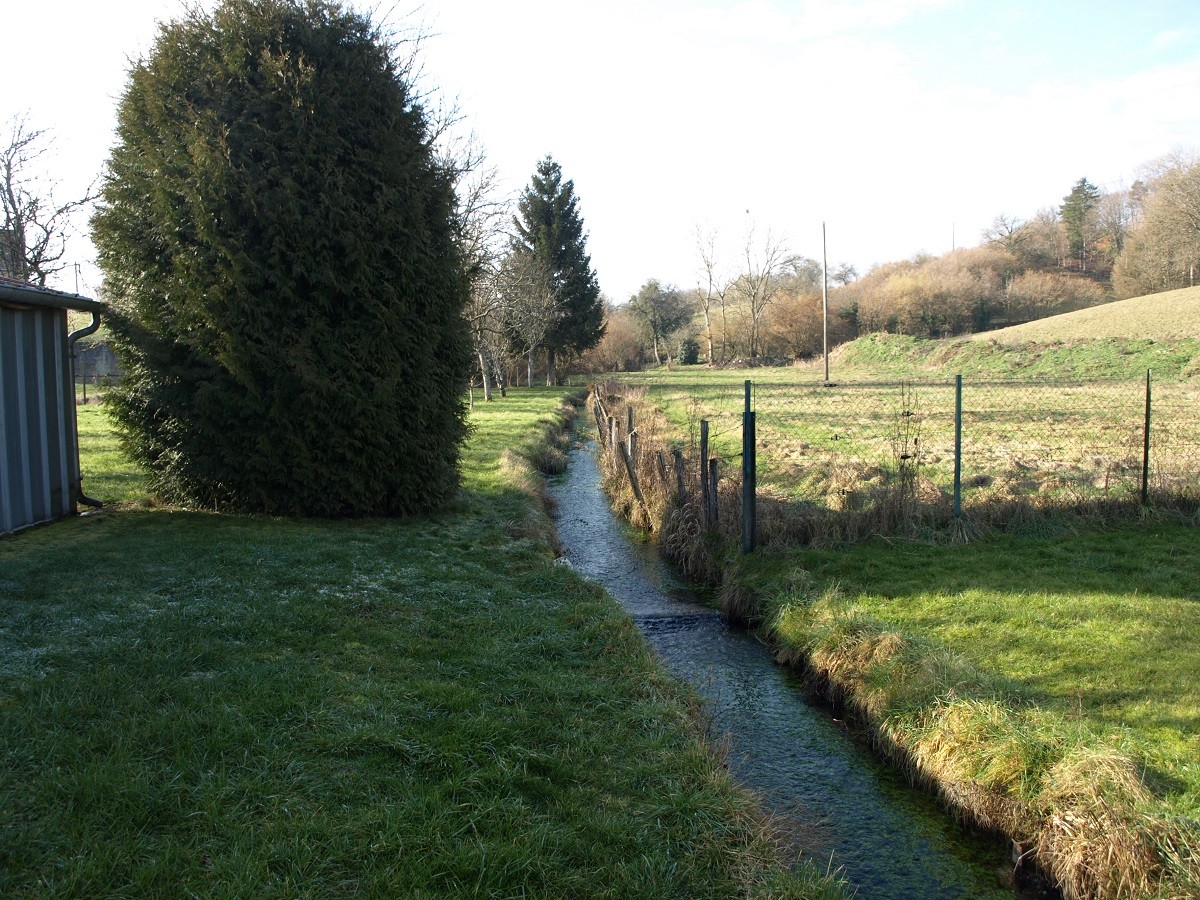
(17, 292)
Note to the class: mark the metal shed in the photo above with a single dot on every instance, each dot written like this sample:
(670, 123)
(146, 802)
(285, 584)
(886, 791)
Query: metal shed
(39, 437)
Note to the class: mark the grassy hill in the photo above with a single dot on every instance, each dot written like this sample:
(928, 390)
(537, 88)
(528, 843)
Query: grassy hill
(1121, 339)
(1171, 315)
(902, 356)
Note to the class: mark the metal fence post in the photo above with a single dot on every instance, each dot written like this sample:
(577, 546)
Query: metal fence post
(704, 504)
(958, 446)
(749, 519)
(1146, 448)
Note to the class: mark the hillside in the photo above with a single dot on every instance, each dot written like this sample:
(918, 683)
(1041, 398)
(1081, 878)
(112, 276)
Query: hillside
(1171, 315)
(901, 356)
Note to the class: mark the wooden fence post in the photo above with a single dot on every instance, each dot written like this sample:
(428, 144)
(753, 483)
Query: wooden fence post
(679, 486)
(637, 487)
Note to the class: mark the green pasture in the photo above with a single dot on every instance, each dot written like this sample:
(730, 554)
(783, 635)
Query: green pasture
(1049, 442)
(1081, 633)
(194, 704)
(1097, 626)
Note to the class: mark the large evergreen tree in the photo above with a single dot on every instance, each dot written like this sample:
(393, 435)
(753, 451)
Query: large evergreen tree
(278, 243)
(549, 227)
(1076, 212)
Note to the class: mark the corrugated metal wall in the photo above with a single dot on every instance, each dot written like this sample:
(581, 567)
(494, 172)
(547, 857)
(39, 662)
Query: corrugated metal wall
(38, 469)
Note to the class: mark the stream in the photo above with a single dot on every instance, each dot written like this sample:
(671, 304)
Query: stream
(841, 806)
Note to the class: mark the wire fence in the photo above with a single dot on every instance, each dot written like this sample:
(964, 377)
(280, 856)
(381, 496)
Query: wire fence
(1070, 441)
(953, 450)
(92, 388)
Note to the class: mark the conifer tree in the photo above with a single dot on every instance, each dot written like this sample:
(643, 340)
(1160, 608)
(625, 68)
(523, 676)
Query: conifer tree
(549, 227)
(279, 246)
(1076, 211)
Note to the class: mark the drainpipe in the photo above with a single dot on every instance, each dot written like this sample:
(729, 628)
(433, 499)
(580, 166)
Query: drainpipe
(71, 339)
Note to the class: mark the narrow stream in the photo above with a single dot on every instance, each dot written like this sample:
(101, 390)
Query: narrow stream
(840, 804)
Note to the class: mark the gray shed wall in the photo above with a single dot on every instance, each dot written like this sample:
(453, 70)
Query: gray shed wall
(39, 472)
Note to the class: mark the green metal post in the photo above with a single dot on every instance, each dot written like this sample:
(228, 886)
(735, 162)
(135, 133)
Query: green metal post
(958, 446)
(749, 519)
(1146, 448)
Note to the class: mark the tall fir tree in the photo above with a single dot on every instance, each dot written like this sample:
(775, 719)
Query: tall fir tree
(548, 226)
(1076, 210)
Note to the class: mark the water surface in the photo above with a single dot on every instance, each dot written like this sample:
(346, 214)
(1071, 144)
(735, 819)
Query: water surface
(841, 806)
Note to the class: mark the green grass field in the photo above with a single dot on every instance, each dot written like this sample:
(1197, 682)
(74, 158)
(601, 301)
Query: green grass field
(1170, 315)
(195, 704)
(1065, 645)
(1046, 443)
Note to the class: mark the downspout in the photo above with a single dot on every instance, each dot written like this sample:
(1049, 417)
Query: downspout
(71, 339)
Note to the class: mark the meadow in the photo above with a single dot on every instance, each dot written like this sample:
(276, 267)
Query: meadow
(223, 705)
(1038, 671)
(1031, 443)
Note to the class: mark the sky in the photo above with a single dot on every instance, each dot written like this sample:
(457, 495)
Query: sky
(905, 126)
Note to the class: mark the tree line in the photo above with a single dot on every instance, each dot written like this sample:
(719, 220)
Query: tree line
(534, 294)
(762, 301)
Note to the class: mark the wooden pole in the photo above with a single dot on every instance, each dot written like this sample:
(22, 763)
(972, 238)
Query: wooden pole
(1146, 448)
(603, 436)
(662, 466)
(637, 488)
(958, 446)
(824, 304)
(679, 484)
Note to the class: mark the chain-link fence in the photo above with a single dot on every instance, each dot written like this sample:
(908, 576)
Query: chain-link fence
(892, 454)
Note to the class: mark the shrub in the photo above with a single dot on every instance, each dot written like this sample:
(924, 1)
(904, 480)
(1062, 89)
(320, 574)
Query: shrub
(278, 242)
(689, 352)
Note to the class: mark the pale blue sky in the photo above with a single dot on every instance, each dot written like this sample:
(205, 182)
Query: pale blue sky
(895, 121)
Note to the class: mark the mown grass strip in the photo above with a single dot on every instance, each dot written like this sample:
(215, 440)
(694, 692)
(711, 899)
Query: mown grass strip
(206, 704)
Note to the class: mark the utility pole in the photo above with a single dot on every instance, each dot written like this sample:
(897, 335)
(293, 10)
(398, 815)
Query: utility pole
(825, 304)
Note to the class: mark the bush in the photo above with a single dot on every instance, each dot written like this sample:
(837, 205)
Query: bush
(689, 352)
(278, 242)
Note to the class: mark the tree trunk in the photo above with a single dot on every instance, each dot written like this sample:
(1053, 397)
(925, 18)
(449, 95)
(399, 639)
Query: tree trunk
(551, 377)
(487, 385)
(530, 381)
(500, 380)
(724, 332)
(657, 358)
(708, 333)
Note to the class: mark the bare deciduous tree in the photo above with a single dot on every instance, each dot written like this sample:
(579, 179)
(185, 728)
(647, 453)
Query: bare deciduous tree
(759, 283)
(35, 228)
(531, 305)
(712, 287)
(480, 218)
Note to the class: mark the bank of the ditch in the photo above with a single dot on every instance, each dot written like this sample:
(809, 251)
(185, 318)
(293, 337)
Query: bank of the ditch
(970, 695)
(215, 705)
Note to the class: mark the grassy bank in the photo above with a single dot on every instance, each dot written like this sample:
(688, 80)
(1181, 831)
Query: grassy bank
(986, 357)
(1043, 680)
(1045, 686)
(225, 705)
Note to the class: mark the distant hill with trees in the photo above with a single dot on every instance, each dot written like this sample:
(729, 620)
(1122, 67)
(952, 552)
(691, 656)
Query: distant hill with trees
(762, 301)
